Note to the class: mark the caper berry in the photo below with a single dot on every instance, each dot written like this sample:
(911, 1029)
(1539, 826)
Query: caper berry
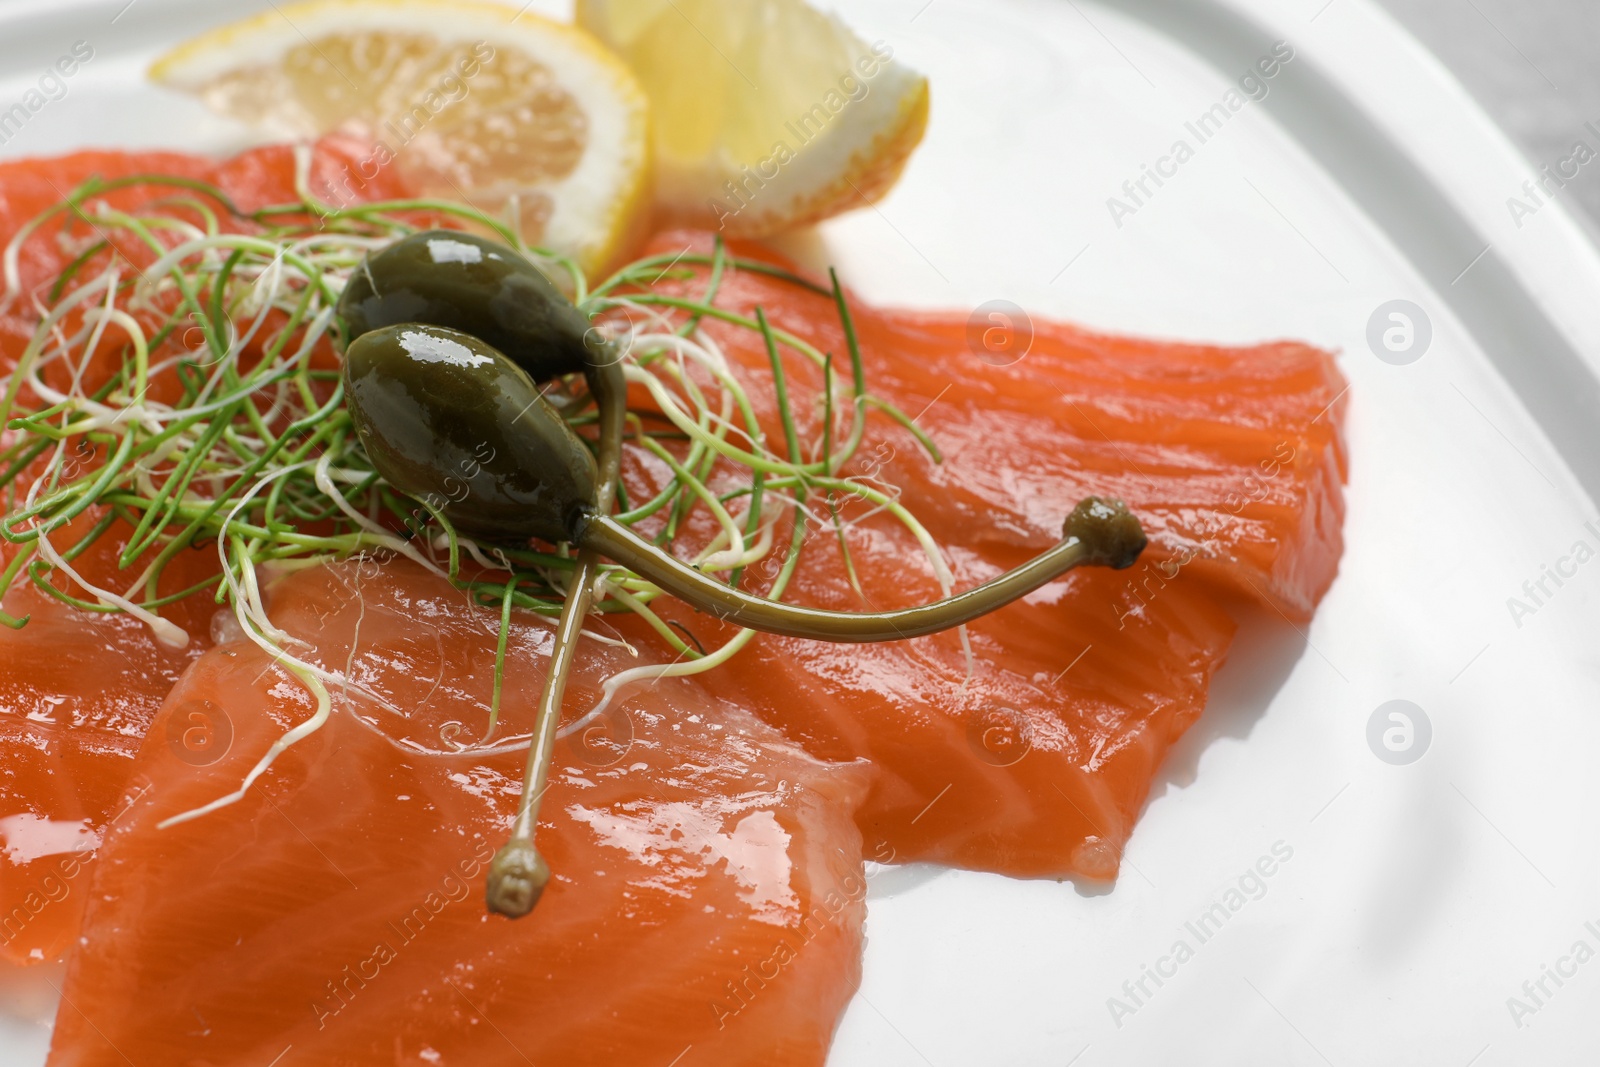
(446, 418)
(482, 287)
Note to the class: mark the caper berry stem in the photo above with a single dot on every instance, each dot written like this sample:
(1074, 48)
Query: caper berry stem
(518, 874)
(1098, 533)
(609, 385)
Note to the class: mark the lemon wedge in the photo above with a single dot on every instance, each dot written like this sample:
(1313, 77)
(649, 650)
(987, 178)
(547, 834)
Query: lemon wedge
(769, 114)
(470, 101)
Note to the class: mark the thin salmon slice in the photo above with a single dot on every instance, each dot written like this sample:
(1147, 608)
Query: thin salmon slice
(1233, 458)
(78, 690)
(253, 179)
(1034, 759)
(706, 906)
(77, 693)
(1033, 762)
(1039, 760)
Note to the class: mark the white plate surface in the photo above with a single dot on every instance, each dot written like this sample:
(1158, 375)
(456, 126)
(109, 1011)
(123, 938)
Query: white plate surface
(1416, 899)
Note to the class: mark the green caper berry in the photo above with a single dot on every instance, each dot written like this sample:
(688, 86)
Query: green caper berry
(446, 418)
(482, 287)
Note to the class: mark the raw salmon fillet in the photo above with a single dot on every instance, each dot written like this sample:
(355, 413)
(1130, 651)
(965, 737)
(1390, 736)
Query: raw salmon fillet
(706, 907)
(78, 690)
(1039, 762)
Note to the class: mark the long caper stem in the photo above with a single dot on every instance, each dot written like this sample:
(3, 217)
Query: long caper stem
(518, 874)
(1098, 533)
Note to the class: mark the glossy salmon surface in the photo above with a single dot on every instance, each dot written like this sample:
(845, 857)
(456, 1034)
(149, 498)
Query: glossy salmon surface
(78, 689)
(77, 694)
(1035, 756)
(706, 904)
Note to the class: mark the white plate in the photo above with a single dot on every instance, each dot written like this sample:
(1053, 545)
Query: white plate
(1417, 898)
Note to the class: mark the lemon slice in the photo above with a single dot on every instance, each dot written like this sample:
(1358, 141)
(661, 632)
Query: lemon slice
(769, 114)
(470, 101)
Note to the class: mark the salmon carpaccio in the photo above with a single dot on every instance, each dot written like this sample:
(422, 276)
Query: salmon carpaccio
(78, 690)
(1033, 758)
(705, 906)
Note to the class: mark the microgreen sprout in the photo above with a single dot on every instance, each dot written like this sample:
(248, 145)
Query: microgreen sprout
(182, 391)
